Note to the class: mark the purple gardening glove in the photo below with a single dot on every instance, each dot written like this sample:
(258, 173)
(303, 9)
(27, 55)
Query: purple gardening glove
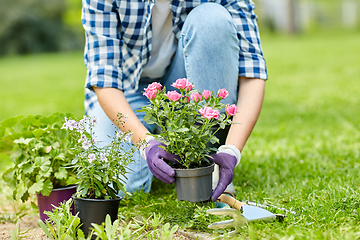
(227, 158)
(155, 157)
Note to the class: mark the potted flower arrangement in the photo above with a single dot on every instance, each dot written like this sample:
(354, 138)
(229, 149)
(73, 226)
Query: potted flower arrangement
(189, 120)
(100, 171)
(41, 154)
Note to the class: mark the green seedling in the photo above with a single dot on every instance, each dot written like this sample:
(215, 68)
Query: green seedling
(62, 224)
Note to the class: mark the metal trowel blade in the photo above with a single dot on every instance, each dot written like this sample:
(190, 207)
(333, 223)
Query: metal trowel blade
(252, 213)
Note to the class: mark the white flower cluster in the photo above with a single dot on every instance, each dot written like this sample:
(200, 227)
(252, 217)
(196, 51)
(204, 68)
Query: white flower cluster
(87, 141)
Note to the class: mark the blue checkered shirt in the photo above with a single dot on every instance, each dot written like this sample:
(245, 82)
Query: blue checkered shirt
(118, 40)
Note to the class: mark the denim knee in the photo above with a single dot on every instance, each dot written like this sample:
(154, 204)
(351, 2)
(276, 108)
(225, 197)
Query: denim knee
(209, 21)
(208, 50)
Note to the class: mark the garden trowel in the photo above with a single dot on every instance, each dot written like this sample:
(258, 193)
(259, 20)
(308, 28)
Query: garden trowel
(250, 213)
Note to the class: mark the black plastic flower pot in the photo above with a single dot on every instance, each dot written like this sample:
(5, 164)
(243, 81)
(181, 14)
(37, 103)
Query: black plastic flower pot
(95, 211)
(194, 185)
(57, 196)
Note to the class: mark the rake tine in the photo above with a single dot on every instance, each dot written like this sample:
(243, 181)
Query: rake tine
(222, 224)
(237, 221)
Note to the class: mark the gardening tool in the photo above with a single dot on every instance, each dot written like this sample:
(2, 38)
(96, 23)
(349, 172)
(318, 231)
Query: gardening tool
(266, 205)
(249, 214)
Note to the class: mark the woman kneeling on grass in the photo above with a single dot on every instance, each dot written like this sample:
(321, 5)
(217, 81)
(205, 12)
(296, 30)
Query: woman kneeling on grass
(130, 44)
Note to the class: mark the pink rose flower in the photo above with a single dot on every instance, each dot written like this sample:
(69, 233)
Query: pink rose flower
(173, 95)
(206, 94)
(196, 97)
(182, 83)
(209, 113)
(152, 89)
(150, 94)
(154, 86)
(231, 109)
(186, 99)
(222, 93)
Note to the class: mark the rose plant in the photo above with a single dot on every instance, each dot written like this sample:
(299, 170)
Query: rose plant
(188, 119)
(100, 170)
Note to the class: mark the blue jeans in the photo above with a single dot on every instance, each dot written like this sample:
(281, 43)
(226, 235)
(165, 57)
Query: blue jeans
(207, 54)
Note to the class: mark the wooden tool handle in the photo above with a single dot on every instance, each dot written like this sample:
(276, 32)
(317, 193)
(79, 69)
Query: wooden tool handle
(231, 201)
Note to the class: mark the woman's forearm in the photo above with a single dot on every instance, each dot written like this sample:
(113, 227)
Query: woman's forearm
(250, 99)
(113, 102)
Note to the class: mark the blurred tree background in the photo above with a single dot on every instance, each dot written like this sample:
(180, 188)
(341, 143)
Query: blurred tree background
(33, 26)
(303, 16)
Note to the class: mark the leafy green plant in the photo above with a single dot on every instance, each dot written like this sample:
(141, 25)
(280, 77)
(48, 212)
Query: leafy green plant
(112, 231)
(18, 211)
(62, 224)
(40, 151)
(188, 120)
(139, 229)
(16, 233)
(99, 169)
(146, 226)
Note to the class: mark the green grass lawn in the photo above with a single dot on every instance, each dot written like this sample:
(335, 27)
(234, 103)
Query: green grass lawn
(303, 154)
(42, 84)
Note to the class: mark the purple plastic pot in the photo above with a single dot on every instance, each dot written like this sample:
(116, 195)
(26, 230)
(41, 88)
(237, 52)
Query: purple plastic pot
(57, 196)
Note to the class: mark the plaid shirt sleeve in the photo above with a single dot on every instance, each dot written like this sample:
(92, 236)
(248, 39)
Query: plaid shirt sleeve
(102, 54)
(251, 61)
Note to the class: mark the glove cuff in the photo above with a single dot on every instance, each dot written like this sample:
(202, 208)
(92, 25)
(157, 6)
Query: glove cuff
(232, 150)
(143, 148)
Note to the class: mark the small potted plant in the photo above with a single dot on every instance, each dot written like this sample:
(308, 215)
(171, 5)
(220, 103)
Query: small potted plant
(189, 121)
(100, 171)
(41, 154)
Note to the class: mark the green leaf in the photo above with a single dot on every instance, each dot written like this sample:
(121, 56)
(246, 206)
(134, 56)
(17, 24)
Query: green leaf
(28, 168)
(40, 161)
(36, 187)
(80, 234)
(39, 145)
(61, 133)
(99, 231)
(214, 140)
(10, 122)
(150, 119)
(38, 132)
(45, 165)
(99, 184)
(45, 172)
(84, 188)
(24, 196)
(61, 156)
(61, 174)
(47, 188)
(8, 177)
(23, 140)
(45, 229)
(54, 118)
(16, 154)
(30, 120)
(182, 130)
(110, 228)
